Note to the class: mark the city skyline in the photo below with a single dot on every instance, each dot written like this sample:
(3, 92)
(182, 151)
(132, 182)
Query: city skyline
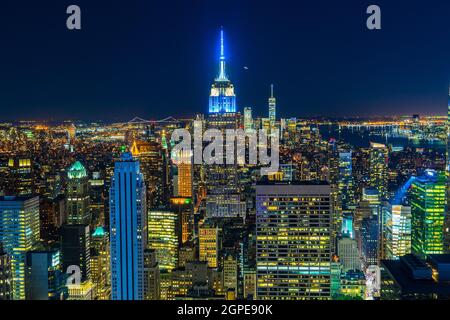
(316, 69)
(254, 166)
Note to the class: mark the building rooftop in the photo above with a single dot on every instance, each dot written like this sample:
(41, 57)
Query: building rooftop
(77, 171)
(15, 198)
(411, 285)
(266, 182)
(440, 258)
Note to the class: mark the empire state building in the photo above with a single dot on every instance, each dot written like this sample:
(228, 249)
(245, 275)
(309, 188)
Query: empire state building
(223, 197)
(222, 98)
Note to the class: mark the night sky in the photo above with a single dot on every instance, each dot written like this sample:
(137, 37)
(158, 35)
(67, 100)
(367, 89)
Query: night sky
(158, 58)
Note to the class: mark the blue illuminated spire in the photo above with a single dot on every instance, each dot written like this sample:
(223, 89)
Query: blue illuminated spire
(222, 98)
(222, 73)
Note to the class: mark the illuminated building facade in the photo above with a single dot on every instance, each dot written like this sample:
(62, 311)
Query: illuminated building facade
(370, 241)
(397, 230)
(19, 233)
(45, 277)
(353, 285)
(249, 284)
(345, 180)
(151, 276)
(21, 176)
(272, 109)
(225, 206)
(293, 244)
(378, 168)
(447, 217)
(184, 208)
(248, 120)
(153, 164)
(101, 263)
(230, 273)
(208, 239)
(428, 206)
(185, 172)
(6, 289)
(128, 230)
(164, 232)
(81, 291)
(78, 211)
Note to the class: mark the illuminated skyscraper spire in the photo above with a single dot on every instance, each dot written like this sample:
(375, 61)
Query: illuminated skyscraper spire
(222, 98)
(222, 73)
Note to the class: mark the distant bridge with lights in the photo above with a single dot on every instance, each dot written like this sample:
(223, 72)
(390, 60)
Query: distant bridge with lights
(136, 121)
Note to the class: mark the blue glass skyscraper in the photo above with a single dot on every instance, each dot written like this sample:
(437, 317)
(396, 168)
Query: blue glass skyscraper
(128, 229)
(19, 233)
(222, 98)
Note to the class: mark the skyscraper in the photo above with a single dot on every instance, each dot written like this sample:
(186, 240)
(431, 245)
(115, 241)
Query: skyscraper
(396, 230)
(153, 166)
(76, 248)
(345, 180)
(378, 168)
(45, 277)
(370, 241)
(248, 119)
(222, 180)
(101, 263)
(428, 206)
(185, 173)
(222, 98)
(447, 216)
(128, 229)
(19, 233)
(293, 245)
(164, 236)
(348, 254)
(78, 211)
(272, 108)
(76, 251)
(21, 175)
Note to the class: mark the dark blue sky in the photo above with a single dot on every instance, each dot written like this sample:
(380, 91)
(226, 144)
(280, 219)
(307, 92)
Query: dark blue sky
(158, 58)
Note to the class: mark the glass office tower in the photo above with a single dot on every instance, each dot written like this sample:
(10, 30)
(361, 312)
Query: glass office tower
(19, 233)
(428, 206)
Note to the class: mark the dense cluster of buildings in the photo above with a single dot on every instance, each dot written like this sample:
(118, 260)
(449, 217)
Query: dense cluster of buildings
(112, 211)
